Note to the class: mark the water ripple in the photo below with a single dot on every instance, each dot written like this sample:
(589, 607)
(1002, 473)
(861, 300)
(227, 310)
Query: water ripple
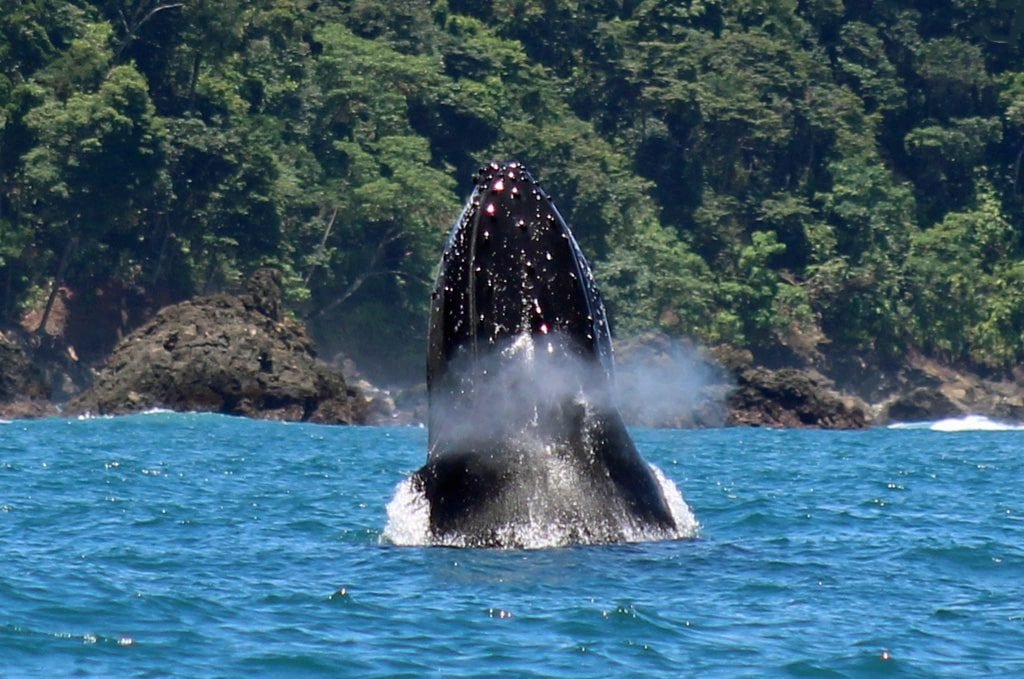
(198, 545)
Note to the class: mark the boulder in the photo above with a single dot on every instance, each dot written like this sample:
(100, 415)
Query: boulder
(231, 354)
(23, 392)
(791, 397)
(16, 372)
(670, 382)
(931, 391)
(920, 405)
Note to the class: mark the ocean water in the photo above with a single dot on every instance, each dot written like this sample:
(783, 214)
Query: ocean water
(198, 546)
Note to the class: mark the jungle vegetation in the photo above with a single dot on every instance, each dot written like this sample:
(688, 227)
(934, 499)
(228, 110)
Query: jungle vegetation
(781, 175)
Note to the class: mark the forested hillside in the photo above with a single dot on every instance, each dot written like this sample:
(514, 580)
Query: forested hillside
(781, 175)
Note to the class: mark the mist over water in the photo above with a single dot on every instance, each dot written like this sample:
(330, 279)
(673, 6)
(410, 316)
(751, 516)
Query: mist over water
(514, 390)
(540, 404)
(669, 383)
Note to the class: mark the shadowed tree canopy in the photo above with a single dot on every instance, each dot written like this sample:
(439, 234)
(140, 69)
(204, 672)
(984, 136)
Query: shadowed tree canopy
(812, 177)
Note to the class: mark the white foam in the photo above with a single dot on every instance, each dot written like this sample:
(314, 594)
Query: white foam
(90, 416)
(686, 523)
(974, 423)
(554, 502)
(409, 523)
(408, 517)
(959, 424)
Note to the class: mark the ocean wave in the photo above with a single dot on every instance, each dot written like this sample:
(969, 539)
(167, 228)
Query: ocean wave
(958, 424)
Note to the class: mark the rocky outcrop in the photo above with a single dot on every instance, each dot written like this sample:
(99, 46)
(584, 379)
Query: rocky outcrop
(919, 405)
(16, 372)
(789, 397)
(23, 392)
(665, 382)
(920, 389)
(232, 354)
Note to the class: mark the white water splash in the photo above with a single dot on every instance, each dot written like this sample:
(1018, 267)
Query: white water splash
(555, 502)
(959, 424)
(409, 523)
(90, 416)
(408, 516)
(686, 523)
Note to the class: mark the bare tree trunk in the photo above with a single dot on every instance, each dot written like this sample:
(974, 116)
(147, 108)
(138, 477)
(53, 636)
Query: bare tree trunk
(193, 83)
(368, 272)
(8, 283)
(158, 269)
(323, 244)
(354, 288)
(210, 271)
(65, 260)
(143, 13)
(1016, 170)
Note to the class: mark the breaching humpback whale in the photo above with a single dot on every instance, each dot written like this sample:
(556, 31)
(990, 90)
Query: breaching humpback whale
(524, 436)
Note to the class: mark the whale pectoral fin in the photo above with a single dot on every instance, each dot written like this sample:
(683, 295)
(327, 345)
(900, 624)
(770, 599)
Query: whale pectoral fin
(631, 475)
(458, 488)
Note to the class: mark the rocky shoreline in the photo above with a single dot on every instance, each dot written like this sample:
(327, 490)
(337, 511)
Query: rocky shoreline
(242, 355)
(724, 387)
(232, 354)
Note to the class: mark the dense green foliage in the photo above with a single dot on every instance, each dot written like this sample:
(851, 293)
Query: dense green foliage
(813, 174)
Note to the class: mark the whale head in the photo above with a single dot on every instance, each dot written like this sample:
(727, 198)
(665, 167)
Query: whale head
(523, 430)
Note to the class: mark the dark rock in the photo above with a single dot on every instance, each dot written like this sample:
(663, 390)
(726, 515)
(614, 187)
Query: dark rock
(929, 390)
(19, 377)
(920, 405)
(16, 372)
(264, 293)
(23, 390)
(790, 397)
(664, 381)
(731, 359)
(27, 409)
(1003, 401)
(232, 354)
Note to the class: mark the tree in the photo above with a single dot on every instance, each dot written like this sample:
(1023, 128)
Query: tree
(97, 169)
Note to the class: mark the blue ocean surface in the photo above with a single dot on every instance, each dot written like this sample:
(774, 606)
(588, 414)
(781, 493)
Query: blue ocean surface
(197, 546)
